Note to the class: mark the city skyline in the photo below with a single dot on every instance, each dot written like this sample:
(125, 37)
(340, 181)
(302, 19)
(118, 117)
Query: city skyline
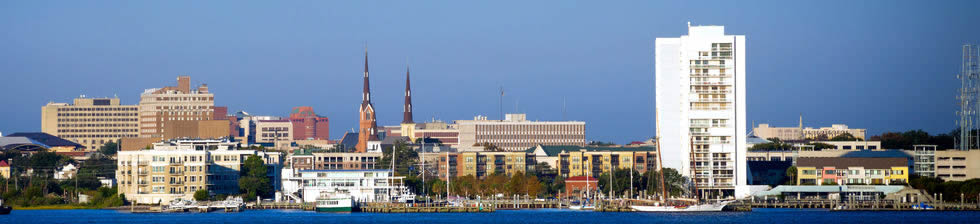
(458, 71)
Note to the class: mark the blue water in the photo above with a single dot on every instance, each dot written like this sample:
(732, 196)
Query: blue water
(763, 216)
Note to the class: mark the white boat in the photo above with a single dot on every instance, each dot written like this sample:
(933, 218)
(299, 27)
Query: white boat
(334, 202)
(581, 207)
(711, 207)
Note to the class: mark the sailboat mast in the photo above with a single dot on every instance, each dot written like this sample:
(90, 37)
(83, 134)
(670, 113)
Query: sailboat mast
(694, 172)
(660, 161)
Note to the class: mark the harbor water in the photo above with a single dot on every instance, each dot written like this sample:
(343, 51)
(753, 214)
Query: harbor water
(766, 216)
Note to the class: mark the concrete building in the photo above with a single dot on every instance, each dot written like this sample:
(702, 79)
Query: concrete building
(852, 170)
(700, 90)
(958, 165)
(177, 168)
(447, 134)
(925, 160)
(173, 103)
(272, 131)
(802, 133)
(516, 133)
(307, 125)
(576, 161)
(202, 129)
(91, 122)
(853, 145)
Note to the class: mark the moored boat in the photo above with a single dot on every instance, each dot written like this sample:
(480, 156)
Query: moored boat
(4, 209)
(335, 202)
(710, 207)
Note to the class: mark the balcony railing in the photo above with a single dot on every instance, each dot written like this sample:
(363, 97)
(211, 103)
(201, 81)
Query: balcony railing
(712, 100)
(710, 83)
(711, 108)
(726, 91)
(711, 142)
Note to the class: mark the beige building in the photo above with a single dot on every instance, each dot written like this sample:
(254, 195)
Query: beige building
(91, 122)
(516, 133)
(765, 131)
(958, 165)
(854, 145)
(176, 169)
(180, 103)
(203, 129)
(448, 134)
(271, 131)
(305, 159)
(482, 164)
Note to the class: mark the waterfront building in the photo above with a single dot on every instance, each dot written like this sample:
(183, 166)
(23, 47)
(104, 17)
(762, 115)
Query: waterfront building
(368, 185)
(177, 168)
(577, 186)
(852, 170)
(803, 133)
(173, 103)
(91, 122)
(307, 125)
(925, 160)
(846, 193)
(958, 165)
(482, 164)
(368, 126)
(516, 133)
(700, 91)
(576, 161)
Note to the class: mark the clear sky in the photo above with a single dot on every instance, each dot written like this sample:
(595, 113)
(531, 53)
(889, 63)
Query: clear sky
(881, 65)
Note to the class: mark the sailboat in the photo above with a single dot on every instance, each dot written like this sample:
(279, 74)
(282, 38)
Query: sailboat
(584, 204)
(683, 207)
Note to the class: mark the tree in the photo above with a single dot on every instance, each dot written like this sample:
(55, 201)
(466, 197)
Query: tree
(845, 137)
(438, 188)
(516, 184)
(405, 159)
(201, 195)
(109, 148)
(791, 173)
(254, 181)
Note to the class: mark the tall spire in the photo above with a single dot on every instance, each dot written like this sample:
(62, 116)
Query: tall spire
(366, 95)
(408, 97)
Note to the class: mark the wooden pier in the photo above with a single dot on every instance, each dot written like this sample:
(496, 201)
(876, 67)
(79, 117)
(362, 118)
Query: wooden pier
(878, 205)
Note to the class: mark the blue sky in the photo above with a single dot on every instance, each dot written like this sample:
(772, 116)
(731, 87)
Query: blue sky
(881, 65)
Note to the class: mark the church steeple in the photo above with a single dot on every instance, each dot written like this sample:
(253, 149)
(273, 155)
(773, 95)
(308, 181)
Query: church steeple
(368, 121)
(366, 95)
(407, 117)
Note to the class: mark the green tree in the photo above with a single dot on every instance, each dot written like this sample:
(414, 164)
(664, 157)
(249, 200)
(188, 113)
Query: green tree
(845, 137)
(791, 174)
(405, 159)
(253, 181)
(201, 195)
(109, 148)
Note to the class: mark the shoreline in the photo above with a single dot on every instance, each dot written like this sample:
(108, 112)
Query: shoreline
(55, 207)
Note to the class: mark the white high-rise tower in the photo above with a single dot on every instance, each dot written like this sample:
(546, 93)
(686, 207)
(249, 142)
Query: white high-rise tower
(701, 106)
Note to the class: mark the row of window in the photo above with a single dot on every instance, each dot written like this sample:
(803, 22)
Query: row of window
(96, 119)
(97, 109)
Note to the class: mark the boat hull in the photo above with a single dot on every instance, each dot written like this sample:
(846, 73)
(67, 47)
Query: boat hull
(334, 209)
(4, 210)
(716, 207)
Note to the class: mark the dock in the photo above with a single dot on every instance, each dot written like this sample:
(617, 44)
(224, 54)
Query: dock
(877, 205)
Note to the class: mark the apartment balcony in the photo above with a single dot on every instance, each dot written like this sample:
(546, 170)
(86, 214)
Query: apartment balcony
(711, 100)
(177, 183)
(709, 66)
(712, 91)
(711, 83)
(711, 142)
(142, 183)
(709, 75)
(700, 133)
(143, 173)
(711, 108)
(722, 167)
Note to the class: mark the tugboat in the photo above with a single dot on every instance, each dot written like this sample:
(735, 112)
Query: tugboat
(335, 202)
(4, 209)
